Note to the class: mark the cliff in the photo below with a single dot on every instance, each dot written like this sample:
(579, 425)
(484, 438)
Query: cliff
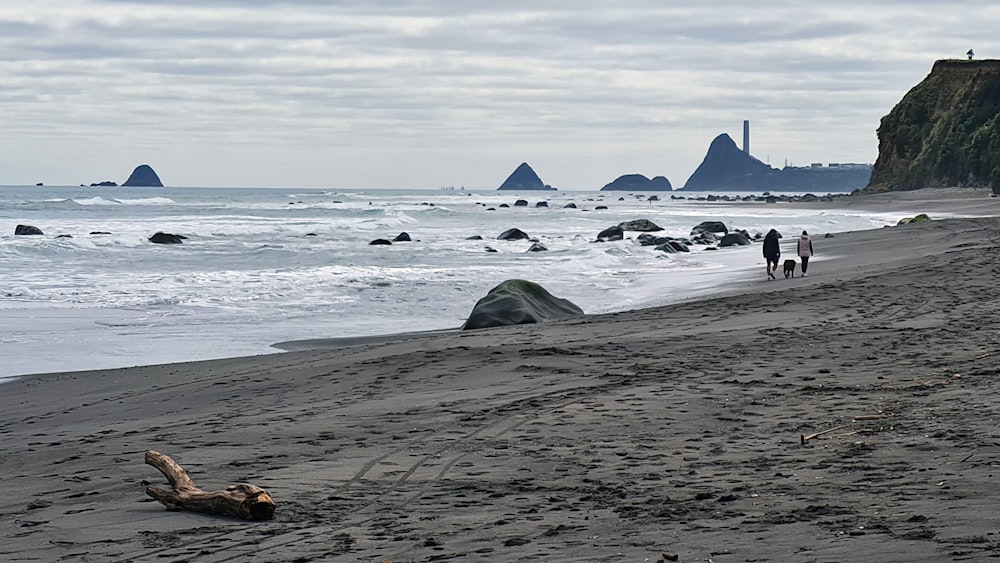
(524, 178)
(638, 183)
(144, 177)
(945, 132)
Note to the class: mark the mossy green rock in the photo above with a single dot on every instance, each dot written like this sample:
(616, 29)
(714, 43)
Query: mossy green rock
(515, 302)
(922, 218)
(945, 132)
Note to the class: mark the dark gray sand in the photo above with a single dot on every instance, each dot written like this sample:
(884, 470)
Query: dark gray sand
(619, 437)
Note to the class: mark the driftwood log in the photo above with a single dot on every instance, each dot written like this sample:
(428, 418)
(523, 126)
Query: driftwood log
(244, 501)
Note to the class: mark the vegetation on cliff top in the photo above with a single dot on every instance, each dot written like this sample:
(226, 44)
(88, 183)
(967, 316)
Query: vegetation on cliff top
(944, 132)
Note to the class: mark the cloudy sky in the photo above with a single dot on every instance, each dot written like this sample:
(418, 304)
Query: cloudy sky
(423, 93)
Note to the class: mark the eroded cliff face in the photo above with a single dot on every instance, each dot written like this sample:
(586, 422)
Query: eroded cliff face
(945, 132)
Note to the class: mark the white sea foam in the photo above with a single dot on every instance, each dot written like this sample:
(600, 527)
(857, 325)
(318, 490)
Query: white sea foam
(263, 266)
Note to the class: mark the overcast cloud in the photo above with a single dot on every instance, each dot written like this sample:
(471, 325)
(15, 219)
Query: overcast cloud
(453, 93)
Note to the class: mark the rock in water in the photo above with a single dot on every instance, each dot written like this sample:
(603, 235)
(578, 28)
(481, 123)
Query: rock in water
(24, 230)
(166, 238)
(515, 302)
(513, 234)
(143, 177)
(641, 225)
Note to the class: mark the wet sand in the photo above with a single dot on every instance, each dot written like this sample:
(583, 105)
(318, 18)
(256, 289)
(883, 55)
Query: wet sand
(678, 430)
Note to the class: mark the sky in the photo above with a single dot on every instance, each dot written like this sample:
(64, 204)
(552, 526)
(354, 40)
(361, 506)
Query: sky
(427, 94)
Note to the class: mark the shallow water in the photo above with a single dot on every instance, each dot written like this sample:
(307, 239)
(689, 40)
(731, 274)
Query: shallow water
(268, 265)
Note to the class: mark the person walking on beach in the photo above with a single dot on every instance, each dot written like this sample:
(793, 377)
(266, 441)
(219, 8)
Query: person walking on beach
(805, 251)
(772, 252)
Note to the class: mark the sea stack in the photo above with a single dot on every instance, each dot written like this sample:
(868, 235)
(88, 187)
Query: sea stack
(727, 167)
(143, 177)
(524, 178)
(945, 132)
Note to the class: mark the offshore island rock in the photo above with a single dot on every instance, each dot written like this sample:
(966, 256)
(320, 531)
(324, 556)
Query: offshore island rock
(515, 302)
(143, 177)
(639, 183)
(524, 178)
(727, 167)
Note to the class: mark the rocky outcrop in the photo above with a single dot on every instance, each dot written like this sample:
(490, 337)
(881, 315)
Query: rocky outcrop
(524, 178)
(143, 177)
(515, 302)
(945, 132)
(638, 183)
(727, 167)
(104, 184)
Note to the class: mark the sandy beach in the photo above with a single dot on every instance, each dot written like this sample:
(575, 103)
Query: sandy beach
(847, 416)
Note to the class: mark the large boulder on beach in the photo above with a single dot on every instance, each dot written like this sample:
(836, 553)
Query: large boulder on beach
(922, 218)
(23, 230)
(143, 177)
(516, 302)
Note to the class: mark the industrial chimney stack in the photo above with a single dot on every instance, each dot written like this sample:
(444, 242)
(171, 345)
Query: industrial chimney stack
(746, 136)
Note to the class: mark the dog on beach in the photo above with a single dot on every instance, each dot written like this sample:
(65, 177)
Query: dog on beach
(789, 269)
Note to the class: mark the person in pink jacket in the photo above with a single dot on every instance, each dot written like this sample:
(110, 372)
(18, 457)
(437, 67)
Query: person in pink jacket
(805, 251)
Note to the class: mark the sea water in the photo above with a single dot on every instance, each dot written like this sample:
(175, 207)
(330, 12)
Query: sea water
(261, 266)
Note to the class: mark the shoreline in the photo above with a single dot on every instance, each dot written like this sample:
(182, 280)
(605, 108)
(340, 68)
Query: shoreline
(957, 201)
(678, 429)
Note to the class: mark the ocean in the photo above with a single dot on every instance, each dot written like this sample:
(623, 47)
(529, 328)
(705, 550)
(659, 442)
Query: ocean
(267, 265)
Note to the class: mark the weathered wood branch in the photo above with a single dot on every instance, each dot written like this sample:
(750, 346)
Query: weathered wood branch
(815, 435)
(243, 501)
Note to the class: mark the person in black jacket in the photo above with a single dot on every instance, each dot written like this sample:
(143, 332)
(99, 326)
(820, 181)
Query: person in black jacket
(772, 252)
